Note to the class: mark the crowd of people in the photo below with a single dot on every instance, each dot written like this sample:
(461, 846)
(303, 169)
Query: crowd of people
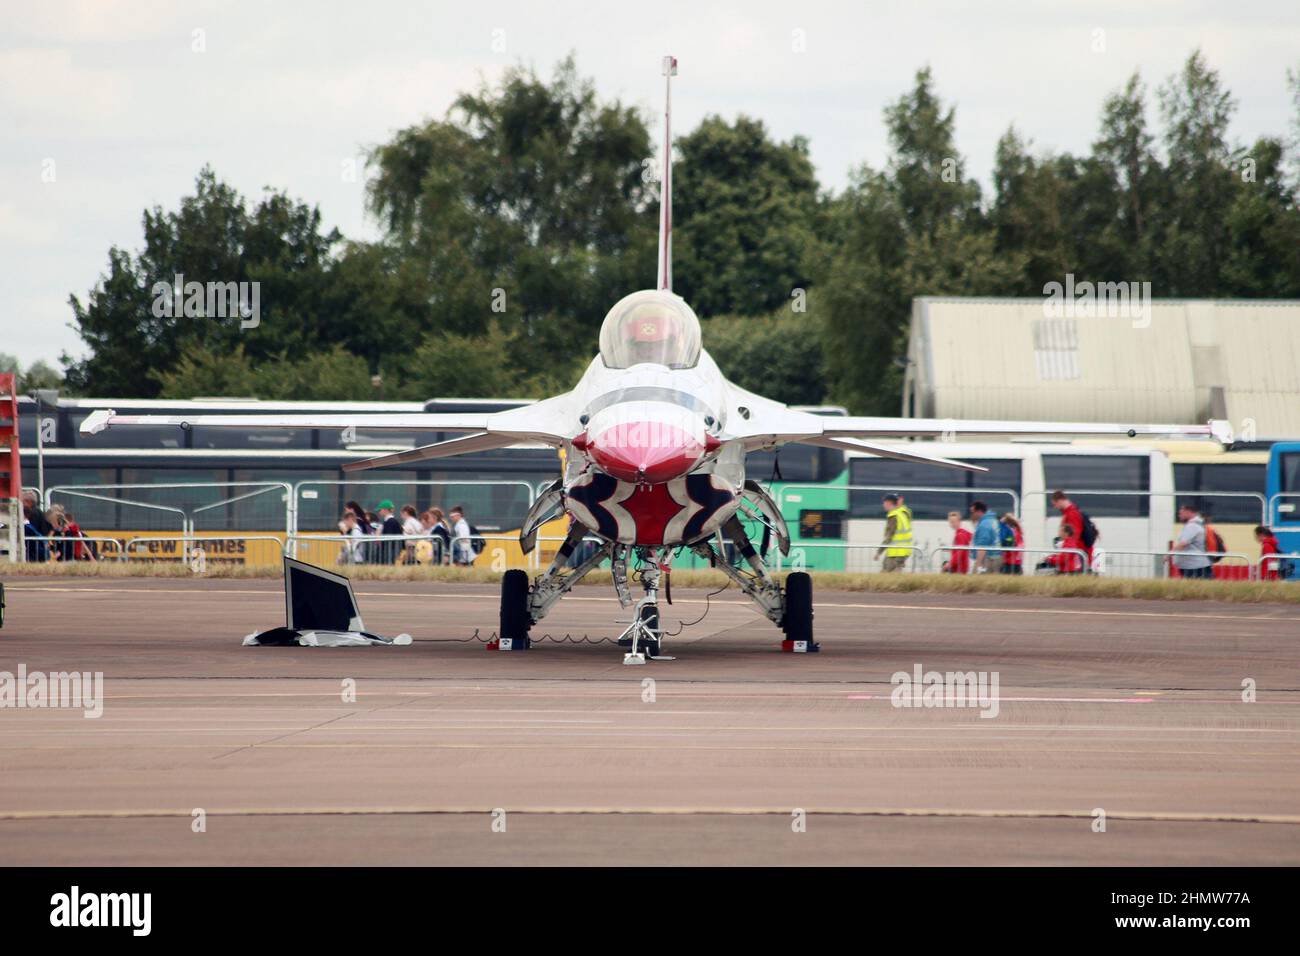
(53, 534)
(996, 544)
(407, 536)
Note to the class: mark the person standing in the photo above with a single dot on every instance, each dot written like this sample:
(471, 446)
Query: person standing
(411, 528)
(441, 536)
(1268, 544)
(462, 549)
(391, 529)
(1071, 535)
(1013, 542)
(38, 537)
(1190, 559)
(897, 544)
(987, 539)
(958, 561)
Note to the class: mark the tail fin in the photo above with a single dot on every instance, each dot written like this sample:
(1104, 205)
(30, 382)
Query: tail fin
(665, 278)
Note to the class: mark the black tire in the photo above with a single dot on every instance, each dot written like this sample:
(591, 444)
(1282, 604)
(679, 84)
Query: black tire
(515, 619)
(798, 622)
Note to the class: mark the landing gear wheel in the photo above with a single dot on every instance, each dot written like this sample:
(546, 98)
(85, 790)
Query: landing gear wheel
(515, 619)
(798, 621)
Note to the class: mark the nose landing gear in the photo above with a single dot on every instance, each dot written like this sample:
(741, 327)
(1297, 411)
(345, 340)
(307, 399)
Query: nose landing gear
(644, 634)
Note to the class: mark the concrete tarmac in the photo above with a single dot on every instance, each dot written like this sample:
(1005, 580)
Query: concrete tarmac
(1123, 713)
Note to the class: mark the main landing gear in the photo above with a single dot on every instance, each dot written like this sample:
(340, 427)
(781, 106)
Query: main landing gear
(523, 604)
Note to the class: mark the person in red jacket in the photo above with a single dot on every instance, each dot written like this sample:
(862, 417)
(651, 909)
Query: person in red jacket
(958, 561)
(1268, 570)
(1071, 535)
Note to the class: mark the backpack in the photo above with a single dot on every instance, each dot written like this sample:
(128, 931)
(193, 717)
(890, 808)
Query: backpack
(1213, 542)
(476, 543)
(1089, 533)
(1008, 535)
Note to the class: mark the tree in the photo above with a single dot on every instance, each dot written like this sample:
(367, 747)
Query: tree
(135, 338)
(744, 214)
(333, 374)
(778, 356)
(37, 375)
(1196, 110)
(527, 205)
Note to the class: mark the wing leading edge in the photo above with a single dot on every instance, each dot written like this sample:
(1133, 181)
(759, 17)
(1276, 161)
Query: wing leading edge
(548, 422)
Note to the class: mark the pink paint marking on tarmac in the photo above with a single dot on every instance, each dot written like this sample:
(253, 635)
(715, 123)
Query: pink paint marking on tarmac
(1036, 700)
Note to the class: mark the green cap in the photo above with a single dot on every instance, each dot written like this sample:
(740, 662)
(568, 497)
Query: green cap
(385, 504)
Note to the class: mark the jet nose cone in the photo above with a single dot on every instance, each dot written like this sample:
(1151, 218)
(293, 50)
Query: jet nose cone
(652, 452)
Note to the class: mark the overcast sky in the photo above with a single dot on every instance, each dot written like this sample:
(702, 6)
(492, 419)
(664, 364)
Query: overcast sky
(283, 93)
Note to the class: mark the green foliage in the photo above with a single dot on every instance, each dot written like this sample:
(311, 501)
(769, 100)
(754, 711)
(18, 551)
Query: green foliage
(744, 214)
(778, 356)
(335, 375)
(37, 375)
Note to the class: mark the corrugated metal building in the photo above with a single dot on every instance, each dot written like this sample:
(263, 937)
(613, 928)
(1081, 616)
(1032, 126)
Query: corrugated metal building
(1179, 361)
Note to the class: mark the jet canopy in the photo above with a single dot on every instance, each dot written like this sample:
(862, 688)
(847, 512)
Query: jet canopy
(650, 326)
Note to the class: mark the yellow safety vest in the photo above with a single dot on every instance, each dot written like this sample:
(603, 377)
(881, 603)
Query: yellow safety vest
(902, 533)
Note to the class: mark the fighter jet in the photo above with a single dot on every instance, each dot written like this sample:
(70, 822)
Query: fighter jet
(653, 442)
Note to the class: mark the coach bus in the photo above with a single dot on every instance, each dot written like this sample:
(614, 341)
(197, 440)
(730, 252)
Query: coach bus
(831, 500)
(1130, 490)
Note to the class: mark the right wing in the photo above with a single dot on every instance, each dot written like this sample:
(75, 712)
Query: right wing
(479, 441)
(551, 421)
(97, 421)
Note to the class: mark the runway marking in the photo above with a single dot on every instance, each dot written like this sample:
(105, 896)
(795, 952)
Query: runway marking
(1154, 816)
(720, 603)
(1048, 700)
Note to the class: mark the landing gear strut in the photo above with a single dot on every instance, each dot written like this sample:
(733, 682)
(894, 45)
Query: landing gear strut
(789, 608)
(523, 606)
(644, 635)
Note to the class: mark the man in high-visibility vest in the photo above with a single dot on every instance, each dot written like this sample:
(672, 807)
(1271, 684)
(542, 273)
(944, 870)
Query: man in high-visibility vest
(898, 534)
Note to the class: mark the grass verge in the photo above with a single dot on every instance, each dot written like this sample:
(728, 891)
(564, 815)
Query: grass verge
(1235, 592)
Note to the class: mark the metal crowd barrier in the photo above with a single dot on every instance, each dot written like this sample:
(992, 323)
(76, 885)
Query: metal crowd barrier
(205, 548)
(56, 542)
(1270, 568)
(1056, 558)
(1123, 563)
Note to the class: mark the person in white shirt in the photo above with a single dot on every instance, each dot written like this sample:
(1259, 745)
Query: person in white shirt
(351, 552)
(462, 551)
(411, 527)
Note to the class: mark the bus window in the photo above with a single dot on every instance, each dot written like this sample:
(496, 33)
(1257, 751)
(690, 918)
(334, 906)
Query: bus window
(1193, 481)
(1003, 473)
(798, 463)
(1290, 472)
(269, 439)
(824, 523)
(1079, 474)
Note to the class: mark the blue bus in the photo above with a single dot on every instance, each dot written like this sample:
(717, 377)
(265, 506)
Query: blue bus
(1283, 490)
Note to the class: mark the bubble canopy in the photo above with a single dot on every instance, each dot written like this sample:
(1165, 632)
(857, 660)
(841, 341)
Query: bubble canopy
(650, 326)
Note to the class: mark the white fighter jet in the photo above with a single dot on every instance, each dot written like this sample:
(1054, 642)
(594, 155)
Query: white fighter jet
(654, 441)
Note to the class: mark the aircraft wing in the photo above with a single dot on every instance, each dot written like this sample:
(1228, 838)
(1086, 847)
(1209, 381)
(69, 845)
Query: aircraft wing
(98, 421)
(479, 441)
(955, 430)
(762, 423)
(887, 451)
(550, 422)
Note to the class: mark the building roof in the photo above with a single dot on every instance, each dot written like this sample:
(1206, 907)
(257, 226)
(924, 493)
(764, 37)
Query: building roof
(1173, 360)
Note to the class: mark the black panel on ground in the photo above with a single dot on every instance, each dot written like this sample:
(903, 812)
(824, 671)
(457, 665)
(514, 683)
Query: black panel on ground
(318, 600)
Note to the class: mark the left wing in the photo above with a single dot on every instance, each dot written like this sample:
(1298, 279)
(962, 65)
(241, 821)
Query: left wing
(762, 423)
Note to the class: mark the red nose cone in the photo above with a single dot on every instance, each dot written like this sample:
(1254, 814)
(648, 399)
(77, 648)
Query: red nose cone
(645, 452)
